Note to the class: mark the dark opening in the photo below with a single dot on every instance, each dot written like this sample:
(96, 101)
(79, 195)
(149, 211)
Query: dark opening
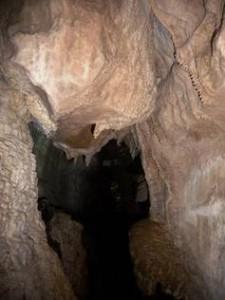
(107, 197)
(107, 225)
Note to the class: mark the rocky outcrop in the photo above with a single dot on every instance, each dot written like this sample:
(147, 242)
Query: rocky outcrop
(88, 56)
(29, 269)
(68, 234)
(184, 140)
(158, 261)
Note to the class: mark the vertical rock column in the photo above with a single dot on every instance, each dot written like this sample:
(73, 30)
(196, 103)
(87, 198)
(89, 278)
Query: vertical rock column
(28, 267)
(188, 149)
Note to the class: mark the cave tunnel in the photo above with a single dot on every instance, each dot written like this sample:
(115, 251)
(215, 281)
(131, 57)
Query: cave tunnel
(106, 197)
(112, 143)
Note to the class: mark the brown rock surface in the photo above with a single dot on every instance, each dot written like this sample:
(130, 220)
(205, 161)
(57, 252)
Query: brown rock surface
(28, 267)
(68, 233)
(157, 260)
(185, 147)
(93, 59)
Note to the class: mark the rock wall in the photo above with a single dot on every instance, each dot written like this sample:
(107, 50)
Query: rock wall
(29, 269)
(87, 56)
(183, 141)
(68, 234)
(157, 260)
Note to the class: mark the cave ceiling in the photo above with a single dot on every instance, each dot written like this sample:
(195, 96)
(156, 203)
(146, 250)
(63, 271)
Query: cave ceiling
(90, 69)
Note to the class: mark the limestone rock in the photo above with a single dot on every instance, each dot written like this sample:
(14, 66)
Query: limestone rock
(68, 233)
(157, 260)
(183, 141)
(29, 269)
(93, 59)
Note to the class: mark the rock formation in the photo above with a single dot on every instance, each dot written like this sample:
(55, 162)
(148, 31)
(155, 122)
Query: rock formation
(184, 152)
(85, 70)
(68, 234)
(29, 269)
(157, 260)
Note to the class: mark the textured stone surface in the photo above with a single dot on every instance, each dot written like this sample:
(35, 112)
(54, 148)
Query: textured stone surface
(28, 268)
(157, 260)
(68, 233)
(95, 63)
(183, 142)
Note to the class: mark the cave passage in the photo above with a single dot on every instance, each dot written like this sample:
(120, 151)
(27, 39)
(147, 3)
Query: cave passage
(107, 197)
(107, 226)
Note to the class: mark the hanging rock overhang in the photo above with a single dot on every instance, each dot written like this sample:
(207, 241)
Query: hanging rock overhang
(92, 60)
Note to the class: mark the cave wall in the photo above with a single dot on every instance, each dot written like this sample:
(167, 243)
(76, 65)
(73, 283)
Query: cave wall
(194, 206)
(185, 148)
(29, 268)
(68, 234)
(158, 260)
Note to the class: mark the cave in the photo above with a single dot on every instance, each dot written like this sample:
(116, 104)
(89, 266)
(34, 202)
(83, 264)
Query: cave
(96, 204)
(82, 80)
